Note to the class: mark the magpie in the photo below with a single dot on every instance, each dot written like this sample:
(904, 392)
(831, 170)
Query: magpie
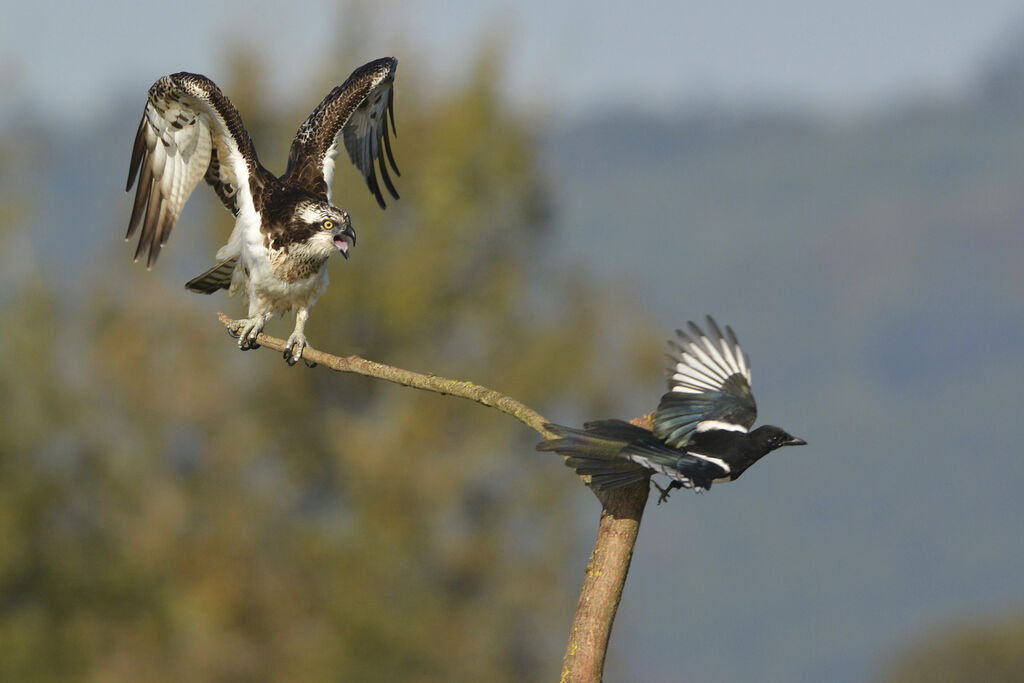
(701, 429)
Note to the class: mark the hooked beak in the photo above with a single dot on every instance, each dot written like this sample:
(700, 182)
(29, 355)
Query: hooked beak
(344, 240)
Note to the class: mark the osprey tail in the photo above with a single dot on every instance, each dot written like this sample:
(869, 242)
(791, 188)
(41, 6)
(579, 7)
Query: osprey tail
(218, 277)
(596, 450)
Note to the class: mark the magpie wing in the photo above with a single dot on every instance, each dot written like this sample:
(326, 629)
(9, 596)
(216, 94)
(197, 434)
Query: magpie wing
(692, 470)
(189, 131)
(355, 113)
(709, 387)
(615, 453)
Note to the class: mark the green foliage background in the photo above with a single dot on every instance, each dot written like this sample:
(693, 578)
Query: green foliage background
(988, 649)
(172, 509)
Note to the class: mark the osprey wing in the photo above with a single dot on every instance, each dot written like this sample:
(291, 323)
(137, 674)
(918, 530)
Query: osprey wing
(355, 112)
(709, 387)
(189, 131)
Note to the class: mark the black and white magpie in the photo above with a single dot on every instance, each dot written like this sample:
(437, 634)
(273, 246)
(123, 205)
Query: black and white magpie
(701, 427)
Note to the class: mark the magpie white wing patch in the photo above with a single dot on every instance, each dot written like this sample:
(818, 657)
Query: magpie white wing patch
(189, 130)
(709, 425)
(705, 362)
(714, 461)
(662, 468)
(709, 387)
(686, 467)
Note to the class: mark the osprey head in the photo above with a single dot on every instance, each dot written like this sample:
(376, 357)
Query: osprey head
(328, 228)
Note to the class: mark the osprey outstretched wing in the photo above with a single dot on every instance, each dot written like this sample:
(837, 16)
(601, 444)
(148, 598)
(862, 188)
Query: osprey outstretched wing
(354, 112)
(189, 131)
(285, 227)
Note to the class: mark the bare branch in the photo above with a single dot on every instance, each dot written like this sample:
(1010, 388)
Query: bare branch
(606, 577)
(621, 511)
(439, 385)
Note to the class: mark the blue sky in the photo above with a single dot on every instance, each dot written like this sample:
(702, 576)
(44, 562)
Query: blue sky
(565, 56)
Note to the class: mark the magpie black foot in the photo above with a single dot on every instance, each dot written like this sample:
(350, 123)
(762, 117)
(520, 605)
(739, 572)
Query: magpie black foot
(664, 491)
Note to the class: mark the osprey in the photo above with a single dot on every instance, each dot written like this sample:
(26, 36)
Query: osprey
(701, 427)
(285, 227)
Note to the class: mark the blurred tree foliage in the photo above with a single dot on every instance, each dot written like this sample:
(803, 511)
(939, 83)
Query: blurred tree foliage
(972, 650)
(174, 510)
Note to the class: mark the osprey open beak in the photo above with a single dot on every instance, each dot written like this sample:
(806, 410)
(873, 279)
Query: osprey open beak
(344, 240)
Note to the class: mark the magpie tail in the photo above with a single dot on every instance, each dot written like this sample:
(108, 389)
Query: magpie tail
(596, 450)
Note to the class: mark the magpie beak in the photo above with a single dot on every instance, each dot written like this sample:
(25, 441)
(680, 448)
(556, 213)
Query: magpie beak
(795, 442)
(345, 239)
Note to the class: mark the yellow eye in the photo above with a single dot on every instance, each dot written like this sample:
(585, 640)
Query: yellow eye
(328, 225)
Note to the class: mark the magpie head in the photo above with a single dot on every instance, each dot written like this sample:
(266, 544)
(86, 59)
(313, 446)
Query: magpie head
(771, 437)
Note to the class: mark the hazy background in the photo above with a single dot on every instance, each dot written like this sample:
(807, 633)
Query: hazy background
(839, 182)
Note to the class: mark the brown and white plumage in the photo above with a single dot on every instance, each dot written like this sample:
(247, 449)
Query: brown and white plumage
(357, 110)
(285, 227)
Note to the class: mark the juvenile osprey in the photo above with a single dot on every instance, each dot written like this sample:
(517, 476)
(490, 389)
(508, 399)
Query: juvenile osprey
(701, 427)
(286, 227)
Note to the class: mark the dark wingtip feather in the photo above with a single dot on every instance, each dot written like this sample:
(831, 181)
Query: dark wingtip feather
(166, 225)
(137, 149)
(384, 174)
(732, 337)
(714, 334)
(141, 247)
(154, 253)
(142, 193)
(149, 224)
(684, 337)
(161, 231)
(387, 149)
(371, 182)
(713, 326)
(391, 113)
